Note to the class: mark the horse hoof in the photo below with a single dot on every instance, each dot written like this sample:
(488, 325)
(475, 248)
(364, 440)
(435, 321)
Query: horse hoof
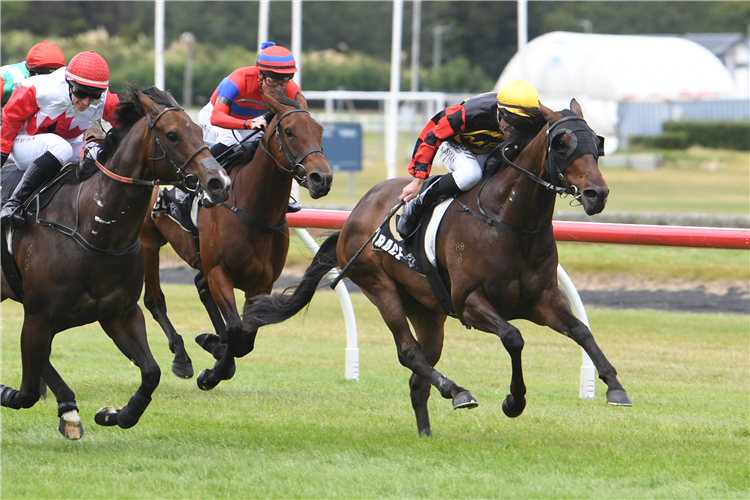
(208, 341)
(183, 369)
(618, 397)
(465, 399)
(425, 433)
(513, 407)
(206, 381)
(70, 426)
(107, 415)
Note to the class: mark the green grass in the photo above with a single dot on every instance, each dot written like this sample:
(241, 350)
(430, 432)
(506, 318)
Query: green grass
(289, 426)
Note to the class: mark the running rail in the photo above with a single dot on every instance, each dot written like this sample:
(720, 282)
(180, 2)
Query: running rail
(588, 232)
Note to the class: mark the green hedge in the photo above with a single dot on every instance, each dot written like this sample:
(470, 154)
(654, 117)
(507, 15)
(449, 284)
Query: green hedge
(710, 134)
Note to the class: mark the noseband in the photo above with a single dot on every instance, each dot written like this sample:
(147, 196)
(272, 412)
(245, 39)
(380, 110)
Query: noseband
(294, 163)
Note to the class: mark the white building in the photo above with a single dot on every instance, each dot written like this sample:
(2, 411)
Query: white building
(601, 71)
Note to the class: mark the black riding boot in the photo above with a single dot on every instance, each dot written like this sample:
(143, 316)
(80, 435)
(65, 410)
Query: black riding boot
(39, 172)
(218, 150)
(435, 192)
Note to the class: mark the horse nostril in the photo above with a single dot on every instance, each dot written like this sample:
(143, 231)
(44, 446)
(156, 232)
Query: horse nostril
(316, 179)
(591, 195)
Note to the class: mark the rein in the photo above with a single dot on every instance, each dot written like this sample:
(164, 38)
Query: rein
(189, 181)
(295, 163)
(186, 180)
(552, 167)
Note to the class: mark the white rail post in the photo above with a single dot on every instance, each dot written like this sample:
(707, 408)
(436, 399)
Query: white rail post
(351, 371)
(588, 371)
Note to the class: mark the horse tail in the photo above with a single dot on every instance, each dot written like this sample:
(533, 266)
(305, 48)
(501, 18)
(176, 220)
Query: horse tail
(271, 309)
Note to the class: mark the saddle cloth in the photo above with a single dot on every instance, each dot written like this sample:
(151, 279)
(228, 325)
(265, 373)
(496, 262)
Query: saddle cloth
(179, 206)
(418, 251)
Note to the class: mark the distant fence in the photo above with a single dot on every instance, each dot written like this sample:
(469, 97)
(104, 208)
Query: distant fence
(647, 118)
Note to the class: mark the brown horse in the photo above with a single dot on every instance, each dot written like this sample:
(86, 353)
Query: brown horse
(243, 245)
(495, 252)
(80, 258)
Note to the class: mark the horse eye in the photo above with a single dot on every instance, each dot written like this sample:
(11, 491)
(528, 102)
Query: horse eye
(288, 132)
(173, 137)
(561, 143)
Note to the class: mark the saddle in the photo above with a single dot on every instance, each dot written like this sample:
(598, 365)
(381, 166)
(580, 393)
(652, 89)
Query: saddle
(418, 251)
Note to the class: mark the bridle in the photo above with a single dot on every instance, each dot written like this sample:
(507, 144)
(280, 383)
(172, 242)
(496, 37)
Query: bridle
(189, 182)
(577, 126)
(588, 143)
(294, 163)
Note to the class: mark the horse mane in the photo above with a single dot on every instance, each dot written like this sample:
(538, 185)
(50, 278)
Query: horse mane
(128, 112)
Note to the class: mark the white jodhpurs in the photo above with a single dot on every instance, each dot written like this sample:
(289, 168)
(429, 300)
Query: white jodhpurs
(27, 148)
(228, 137)
(465, 165)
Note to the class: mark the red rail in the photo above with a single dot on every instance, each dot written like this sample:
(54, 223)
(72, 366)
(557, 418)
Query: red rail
(590, 232)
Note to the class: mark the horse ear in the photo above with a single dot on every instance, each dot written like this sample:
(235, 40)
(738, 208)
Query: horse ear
(576, 108)
(549, 115)
(147, 102)
(272, 103)
(302, 101)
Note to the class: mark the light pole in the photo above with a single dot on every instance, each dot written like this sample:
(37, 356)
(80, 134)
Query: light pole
(187, 85)
(437, 47)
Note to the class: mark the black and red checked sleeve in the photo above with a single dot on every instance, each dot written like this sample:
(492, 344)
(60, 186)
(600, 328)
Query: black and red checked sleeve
(441, 127)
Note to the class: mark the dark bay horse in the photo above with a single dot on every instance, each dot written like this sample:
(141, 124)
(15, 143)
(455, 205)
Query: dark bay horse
(496, 253)
(242, 245)
(80, 257)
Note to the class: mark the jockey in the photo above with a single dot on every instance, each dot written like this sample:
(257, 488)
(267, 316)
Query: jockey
(45, 120)
(237, 106)
(464, 135)
(42, 59)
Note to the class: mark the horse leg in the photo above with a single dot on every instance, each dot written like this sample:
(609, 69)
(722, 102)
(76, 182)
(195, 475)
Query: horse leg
(67, 410)
(560, 318)
(220, 302)
(430, 329)
(382, 292)
(207, 340)
(128, 332)
(36, 342)
(153, 299)
(481, 315)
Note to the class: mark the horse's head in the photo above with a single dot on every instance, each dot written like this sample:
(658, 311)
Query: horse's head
(573, 152)
(179, 153)
(298, 151)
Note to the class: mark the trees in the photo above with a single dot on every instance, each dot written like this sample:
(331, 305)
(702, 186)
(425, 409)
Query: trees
(475, 51)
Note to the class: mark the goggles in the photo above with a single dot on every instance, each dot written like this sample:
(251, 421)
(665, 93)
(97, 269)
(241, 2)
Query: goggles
(273, 82)
(92, 93)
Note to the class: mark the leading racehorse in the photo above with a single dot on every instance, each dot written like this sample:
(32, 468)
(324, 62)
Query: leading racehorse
(495, 252)
(80, 257)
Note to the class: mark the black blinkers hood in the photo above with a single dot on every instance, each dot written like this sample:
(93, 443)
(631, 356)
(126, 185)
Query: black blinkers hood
(583, 141)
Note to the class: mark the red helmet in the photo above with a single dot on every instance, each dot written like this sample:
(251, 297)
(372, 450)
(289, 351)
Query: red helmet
(275, 59)
(88, 69)
(45, 55)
